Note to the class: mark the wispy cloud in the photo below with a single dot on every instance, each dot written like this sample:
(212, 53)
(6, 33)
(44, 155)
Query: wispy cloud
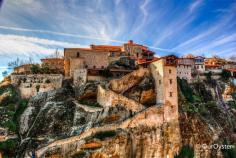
(13, 46)
(60, 33)
(195, 5)
(165, 26)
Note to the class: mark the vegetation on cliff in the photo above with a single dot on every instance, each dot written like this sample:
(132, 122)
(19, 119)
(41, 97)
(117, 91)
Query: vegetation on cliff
(202, 109)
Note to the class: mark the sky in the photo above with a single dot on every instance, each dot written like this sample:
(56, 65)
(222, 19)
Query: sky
(36, 28)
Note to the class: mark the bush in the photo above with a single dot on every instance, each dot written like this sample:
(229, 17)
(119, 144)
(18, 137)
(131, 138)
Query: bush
(20, 109)
(47, 81)
(9, 147)
(45, 69)
(10, 125)
(35, 69)
(37, 88)
(105, 73)
(185, 89)
(232, 104)
(11, 98)
(208, 76)
(225, 75)
(186, 152)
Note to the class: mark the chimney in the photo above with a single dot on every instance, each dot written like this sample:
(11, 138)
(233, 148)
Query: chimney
(130, 42)
(91, 46)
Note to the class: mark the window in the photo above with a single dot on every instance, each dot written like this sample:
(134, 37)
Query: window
(169, 71)
(171, 94)
(94, 67)
(170, 81)
(112, 54)
(86, 66)
(102, 67)
(78, 54)
(137, 55)
(159, 81)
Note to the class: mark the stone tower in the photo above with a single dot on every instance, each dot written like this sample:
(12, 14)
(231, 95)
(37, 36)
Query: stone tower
(164, 73)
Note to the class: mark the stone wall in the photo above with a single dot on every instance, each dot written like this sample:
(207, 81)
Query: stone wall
(91, 58)
(108, 98)
(128, 81)
(30, 85)
(80, 76)
(96, 78)
(185, 72)
(76, 63)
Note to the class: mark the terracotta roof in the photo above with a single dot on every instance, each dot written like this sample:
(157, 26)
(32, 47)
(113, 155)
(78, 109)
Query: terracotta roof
(105, 47)
(213, 65)
(143, 61)
(231, 70)
(77, 49)
(51, 59)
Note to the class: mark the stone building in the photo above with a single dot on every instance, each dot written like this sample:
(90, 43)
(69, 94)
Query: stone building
(90, 58)
(97, 58)
(55, 64)
(31, 84)
(185, 68)
(165, 74)
(199, 64)
(230, 65)
(23, 69)
(214, 64)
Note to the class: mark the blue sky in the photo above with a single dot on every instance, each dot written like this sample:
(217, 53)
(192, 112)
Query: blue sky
(35, 28)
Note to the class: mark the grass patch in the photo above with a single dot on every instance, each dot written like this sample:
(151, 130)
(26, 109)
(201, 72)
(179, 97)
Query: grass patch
(20, 109)
(186, 152)
(9, 147)
(104, 134)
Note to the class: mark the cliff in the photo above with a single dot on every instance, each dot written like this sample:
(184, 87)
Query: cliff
(102, 119)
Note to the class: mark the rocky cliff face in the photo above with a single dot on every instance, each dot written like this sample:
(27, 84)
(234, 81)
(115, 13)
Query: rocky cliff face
(61, 123)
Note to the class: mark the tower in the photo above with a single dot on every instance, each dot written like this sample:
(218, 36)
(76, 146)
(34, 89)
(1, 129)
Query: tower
(165, 75)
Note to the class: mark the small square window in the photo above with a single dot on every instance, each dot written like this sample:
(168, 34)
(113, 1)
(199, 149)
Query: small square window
(171, 94)
(170, 81)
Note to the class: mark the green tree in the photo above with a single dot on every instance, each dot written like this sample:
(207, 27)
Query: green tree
(208, 76)
(225, 75)
(37, 88)
(45, 69)
(35, 69)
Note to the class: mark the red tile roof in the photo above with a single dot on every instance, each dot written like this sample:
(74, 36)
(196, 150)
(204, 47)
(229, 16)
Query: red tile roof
(231, 70)
(144, 61)
(105, 47)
